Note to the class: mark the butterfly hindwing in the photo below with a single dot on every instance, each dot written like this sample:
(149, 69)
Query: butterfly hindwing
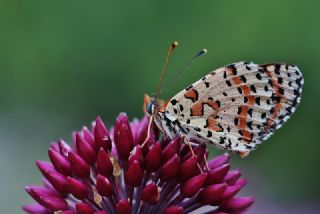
(239, 105)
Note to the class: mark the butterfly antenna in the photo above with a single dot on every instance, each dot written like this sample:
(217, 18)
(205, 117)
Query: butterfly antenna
(172, 47)
(184, 68)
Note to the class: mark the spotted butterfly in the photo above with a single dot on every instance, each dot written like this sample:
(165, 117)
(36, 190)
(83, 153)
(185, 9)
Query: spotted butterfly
(234, 107)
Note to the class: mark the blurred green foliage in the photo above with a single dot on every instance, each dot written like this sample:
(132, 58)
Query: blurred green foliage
(62, 63)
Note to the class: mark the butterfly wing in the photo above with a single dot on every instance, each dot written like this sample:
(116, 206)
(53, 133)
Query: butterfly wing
(238, 106)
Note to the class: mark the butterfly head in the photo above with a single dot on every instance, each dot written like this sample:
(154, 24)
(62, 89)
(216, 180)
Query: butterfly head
(151, 105)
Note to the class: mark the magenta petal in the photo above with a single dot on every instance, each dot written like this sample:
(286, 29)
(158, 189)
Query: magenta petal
(83, 208)
(232, 177)
(69, 212)
(124, 143)
(219, 161)
(36, 208)
(104, 164)
(188, 169)
(60, 162)
(212, 194)
(88, 136)
(55, 146)
(123, 207)
(199, 151)
(241, 182)
(172, 148)
(121, 119)
(79, 166)
(101, 135)
(236, 204)
(123, 136)
(64, 148)
(134, 174)
(230, 192)
(136, 155)
(77, 188)
(44, 166)
(193, 185)
(170, 169)
(57, 180)
(47, 198)
(153, 158)
(150, 194)
(173, 210)
(85, 150)
(104, 186)
(217, 174)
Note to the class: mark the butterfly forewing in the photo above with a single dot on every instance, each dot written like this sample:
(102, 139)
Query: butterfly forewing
(237, 106)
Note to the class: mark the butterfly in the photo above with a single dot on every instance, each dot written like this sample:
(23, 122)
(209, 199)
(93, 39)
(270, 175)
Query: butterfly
(235, 107)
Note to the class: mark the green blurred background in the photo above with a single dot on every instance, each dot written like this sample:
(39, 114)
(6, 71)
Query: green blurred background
(62, 63)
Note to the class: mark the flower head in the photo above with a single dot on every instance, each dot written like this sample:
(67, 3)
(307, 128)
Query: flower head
(109, 172)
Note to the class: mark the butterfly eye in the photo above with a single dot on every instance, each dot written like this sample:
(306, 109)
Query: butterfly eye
(150, 107)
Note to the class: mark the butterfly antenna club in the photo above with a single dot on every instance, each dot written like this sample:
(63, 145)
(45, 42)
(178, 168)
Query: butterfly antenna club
(184, 68)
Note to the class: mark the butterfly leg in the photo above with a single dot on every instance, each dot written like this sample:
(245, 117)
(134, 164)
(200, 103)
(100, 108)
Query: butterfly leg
(206, 162)
(191, 150)
(148, 132)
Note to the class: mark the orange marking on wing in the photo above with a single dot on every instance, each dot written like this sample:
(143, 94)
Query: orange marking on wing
(277, 106)
(213, 125)
(243, 117)
(242, 123)
(246, 90)
(244, 111)
(251, 100)
(247, 136)
(212, 104)
(191, 94)
(164, 106)
(229, 72)
(236, 80)
(197, 109)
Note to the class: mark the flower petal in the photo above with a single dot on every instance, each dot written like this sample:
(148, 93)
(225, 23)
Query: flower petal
(79, 166)
(123, 207)
(193, 185)
(77, 188)
(150, 194)
(170, 169)
(104, 186)
(104, 164)
(101, 135)
(61, 163)
(134, 174)
(85, 150)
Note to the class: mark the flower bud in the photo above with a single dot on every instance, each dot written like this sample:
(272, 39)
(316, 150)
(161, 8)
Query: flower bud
(104, 186)
(193, 185)
(77, 188)
(170, 169)
(134, 174)
(101, 135)
(85, 150)
(83, 208)
(150, 194)
(123, 207)
(104, 164)
(79, 166)
(61, 163)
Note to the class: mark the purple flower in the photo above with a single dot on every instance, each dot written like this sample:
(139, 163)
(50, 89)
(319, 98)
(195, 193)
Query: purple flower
(108, 172)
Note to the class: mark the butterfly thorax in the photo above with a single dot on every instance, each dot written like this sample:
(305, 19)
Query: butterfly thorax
(156, 108)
